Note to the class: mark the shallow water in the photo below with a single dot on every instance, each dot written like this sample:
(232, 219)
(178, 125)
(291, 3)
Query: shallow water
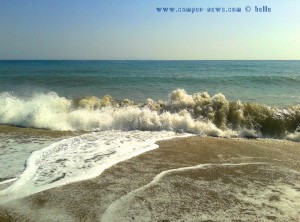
(73, 159)
(17, 144)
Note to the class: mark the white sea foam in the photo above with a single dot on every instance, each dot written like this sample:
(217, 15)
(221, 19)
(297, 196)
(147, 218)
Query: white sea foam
(198, 113)
(116, 211)
(40, 111)
(294, 137)
(58, 113)
(80, 158)
(123, 129)
(8, 181)
(14, 150)
(253, 199)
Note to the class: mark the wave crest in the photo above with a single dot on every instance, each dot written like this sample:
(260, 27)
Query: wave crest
(198, 113)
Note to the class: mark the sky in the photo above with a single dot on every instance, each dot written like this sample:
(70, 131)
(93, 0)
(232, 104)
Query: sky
(133, 29)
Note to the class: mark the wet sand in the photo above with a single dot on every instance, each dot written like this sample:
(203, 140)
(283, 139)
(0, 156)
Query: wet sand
(20, 132)
(186, 179)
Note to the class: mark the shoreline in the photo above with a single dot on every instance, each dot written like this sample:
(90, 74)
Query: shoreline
(263, 167)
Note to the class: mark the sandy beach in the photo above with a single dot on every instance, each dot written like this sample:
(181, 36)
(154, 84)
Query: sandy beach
(186, 179)
(165, 111)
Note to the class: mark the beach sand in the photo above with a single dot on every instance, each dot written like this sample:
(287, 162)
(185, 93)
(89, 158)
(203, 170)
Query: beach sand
(185, 179)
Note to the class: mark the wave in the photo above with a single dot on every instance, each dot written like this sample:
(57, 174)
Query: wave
(198, 113)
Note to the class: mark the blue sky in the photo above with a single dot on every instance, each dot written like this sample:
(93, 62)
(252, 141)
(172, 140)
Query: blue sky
(133, 29)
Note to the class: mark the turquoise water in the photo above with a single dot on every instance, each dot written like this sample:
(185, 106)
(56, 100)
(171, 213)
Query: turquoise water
(267, 82)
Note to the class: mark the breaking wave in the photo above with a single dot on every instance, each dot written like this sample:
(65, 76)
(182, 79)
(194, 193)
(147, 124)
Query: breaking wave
(198, 113)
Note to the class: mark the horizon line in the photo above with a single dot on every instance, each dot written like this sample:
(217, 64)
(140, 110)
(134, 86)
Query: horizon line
(149, 59)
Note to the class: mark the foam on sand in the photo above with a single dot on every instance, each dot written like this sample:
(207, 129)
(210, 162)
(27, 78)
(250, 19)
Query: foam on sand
(80, 158)
(234, 179)
(236, 197)
(117, 210)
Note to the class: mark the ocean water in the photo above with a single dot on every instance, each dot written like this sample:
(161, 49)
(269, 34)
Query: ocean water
(267, 82)
(120, 108)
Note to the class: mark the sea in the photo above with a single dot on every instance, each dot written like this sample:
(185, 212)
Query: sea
(66, 121)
